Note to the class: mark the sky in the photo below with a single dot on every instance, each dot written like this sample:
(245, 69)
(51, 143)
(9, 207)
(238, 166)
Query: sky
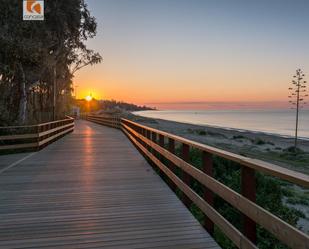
(174, 53)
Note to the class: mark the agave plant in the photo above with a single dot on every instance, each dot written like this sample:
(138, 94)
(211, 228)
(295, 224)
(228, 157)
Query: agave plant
(297, 97)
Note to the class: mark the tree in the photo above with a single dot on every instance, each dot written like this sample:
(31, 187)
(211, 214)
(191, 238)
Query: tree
(35, 54)
(297, 96)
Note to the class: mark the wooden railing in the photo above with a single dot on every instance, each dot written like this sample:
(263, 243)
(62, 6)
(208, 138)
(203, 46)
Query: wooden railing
(33, 137)
(156, 145)
(105, 119)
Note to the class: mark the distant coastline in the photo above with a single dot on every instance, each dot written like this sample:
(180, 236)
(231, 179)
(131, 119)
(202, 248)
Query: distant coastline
(269, 147)
(225, 119)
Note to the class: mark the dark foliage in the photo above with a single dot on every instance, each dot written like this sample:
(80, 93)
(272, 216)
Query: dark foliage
(108, 105)
(35, 54)
(269, 196)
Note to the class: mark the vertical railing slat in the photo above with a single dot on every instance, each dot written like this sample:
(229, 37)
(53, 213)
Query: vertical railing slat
(161, 143)
(148, 136)
(185, 176)
(207, 168)
(248, 189)
(154, 139)
(171, 165)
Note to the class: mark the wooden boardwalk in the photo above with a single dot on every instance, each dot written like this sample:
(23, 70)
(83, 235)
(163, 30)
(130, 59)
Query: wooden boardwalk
(91, 189)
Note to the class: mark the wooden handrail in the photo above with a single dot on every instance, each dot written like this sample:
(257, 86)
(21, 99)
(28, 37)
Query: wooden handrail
(19, 136)
(258, 165)
(57, 121)
(18, 146)
(33, 126)
(109, 120)
(151, 143)
(40, 136)
(261, 216)
(17, 126)
(44, 133)
(46, 140)
(237, 237)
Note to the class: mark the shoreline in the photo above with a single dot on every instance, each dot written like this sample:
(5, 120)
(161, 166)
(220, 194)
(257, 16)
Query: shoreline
(233, 129)
(260, 145)
(136, 113)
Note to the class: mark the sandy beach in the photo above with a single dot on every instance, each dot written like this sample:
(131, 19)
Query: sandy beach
(271, 148)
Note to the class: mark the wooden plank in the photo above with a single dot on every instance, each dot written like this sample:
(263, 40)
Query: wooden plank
(185, 154)
(208, 194)
(93, 189)
(20, 136)
(103, 121)
(267, 168)
(248, 190)
(44, 133)
(33, 126)
(57, 121)
(18, 146)
(46, 140)
(273, 224)
(17, 127)
(172, 167)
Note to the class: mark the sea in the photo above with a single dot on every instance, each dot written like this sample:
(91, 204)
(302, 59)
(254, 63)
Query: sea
(277, 122)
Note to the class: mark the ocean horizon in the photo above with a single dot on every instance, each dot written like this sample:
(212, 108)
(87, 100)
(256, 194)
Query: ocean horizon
(276, 122)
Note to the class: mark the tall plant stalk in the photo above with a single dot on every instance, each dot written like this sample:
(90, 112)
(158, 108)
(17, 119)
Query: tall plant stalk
(297, 96)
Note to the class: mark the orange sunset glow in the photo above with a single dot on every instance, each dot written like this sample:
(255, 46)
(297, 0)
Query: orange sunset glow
(228, 60)
(160, 89)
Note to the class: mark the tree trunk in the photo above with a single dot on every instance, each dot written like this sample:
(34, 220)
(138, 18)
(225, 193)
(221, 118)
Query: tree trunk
(22, 112)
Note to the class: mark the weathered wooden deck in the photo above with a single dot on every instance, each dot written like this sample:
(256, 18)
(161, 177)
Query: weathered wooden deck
(91, 189)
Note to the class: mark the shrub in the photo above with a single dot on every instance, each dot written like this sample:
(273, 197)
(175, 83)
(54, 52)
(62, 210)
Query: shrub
(238, 137)
(269, 196)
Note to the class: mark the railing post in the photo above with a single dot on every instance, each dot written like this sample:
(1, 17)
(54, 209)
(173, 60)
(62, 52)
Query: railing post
(161, 143)
(154, 139)
(148, 136)
(248, 189)
(142, 132)
(172, 167)
(38, 130)
(139, 130)
(161, 157)
(186, 177)
(208, 194)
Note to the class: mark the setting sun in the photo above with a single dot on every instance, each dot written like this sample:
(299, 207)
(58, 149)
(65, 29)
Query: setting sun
(88, 98)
